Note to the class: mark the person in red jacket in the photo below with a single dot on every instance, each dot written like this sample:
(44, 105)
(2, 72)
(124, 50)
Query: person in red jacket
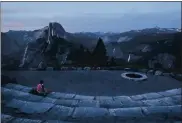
(40, 87)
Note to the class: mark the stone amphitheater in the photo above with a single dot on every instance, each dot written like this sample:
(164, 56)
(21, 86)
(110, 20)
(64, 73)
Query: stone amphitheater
(19, 106)
(89, 97)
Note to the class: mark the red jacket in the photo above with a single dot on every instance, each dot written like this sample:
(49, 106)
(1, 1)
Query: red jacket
(39, 88)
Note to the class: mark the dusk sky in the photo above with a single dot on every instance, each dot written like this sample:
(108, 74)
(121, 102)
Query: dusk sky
(90, 16)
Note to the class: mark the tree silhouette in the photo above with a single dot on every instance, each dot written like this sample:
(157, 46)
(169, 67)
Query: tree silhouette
(80, 55)
(99, 53)
(177, 50)
(112, 62)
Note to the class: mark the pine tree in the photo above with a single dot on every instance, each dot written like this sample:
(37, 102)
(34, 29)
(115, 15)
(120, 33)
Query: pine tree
(99, 53)
(80, 55)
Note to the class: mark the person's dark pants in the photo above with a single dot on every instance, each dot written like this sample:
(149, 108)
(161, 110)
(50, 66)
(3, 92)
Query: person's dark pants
(34, 91)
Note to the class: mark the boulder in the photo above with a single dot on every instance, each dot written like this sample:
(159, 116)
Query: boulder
(158, 73)
(172, 74)
(64, 68)
(150, 72)
(87, 68)
(98, 68)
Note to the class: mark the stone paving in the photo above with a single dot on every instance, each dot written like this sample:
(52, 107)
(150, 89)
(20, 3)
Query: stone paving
(92, 83)
(155, 107)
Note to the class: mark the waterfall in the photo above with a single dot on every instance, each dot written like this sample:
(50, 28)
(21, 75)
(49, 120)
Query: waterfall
(114, 51)
(129, 58)
(24, 57)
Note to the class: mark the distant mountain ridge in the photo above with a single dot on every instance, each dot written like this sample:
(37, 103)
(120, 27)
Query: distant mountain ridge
(118, 45)
(28, 36)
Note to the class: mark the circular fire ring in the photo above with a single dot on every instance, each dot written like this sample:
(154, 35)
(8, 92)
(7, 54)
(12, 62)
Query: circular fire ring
(135, 76)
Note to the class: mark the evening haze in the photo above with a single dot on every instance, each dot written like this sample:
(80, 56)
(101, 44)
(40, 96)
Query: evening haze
(90, 16)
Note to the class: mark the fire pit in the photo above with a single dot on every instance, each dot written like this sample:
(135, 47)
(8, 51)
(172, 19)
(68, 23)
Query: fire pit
(135, 76)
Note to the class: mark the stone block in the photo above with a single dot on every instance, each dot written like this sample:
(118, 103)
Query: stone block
(146, 96)
(66, 102)
(127, 113)
(159, 102)
(34, 107)
(29, 107)
(10, 86)
(137, 97)
(16, 103)
(171, 92)
(15, 86)
(22, 120)
(82, 97)
(104, 98)
(177, 99)
(110, 104)
(162, 112)
(6, 118)
(7, 93)
(56, 121)
(48, 100)
(60, 112)
(122, 98)
(35, 98)
(87, 112)
(58, 95)
(176, 111)
(88, 103)
(26, 89)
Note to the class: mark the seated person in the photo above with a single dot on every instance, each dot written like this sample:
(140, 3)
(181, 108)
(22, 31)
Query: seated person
(40, 88)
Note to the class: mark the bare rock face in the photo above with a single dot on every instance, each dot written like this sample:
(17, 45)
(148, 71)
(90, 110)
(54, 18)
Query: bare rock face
(34, 51)
(58, 30)
(147, 48)
(32, 55)
(114, 51)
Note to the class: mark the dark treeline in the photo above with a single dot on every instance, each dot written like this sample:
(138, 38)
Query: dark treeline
(84, 57)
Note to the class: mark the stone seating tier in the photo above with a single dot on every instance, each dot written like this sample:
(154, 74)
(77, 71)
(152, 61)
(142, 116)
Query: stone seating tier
(19, 106)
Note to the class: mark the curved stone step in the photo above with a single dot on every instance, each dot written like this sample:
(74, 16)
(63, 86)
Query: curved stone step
(117, 102)
(62, 112)
(29, 107)
(24, 120)
(18, 87)
(57, 107)
(11, 119)
(58, 95)
(9, 94)
(8, 118)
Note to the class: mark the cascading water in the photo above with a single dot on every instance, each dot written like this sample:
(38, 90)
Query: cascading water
(114, 51)
(24, 57)
(129, 58)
